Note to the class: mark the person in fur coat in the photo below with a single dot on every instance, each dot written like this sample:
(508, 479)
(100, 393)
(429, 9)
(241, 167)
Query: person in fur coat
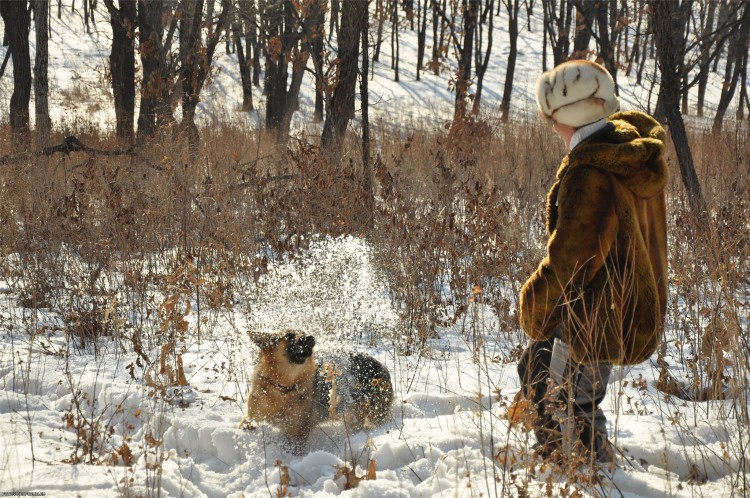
(598, 298)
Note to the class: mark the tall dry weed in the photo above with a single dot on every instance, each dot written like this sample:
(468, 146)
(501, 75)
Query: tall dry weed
(453, 221)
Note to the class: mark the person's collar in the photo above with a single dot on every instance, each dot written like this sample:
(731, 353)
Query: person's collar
(586, 131)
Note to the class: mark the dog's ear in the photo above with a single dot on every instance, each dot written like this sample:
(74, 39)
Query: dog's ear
(263, 340)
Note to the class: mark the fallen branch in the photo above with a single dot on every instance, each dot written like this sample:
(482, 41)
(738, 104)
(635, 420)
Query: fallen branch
(72, 144)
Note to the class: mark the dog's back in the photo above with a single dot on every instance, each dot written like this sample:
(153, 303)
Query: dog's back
(355, 386)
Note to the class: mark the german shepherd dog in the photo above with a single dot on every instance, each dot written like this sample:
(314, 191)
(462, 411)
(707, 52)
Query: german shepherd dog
(294, 392)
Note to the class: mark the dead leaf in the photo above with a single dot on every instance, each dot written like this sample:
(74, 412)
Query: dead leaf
(521, 413)
(151, 441)
(352, 481)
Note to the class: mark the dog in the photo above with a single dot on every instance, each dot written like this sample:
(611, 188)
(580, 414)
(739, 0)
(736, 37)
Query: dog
(294, 392)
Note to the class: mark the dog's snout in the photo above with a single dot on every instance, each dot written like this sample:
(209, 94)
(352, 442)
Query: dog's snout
(300, 348)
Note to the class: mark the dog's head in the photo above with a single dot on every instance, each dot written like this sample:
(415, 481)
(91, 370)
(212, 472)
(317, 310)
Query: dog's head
(298, 346)
(295, 345)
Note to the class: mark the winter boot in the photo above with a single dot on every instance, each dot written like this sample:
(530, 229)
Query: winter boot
(580, 390)
(595, 445)
(533, 371)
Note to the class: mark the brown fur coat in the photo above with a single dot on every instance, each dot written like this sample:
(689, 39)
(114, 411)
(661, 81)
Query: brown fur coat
(605, 274)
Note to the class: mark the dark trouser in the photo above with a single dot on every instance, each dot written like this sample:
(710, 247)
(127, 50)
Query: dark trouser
(566, 394)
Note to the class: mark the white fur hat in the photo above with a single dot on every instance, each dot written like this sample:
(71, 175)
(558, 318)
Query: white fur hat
(576, 93)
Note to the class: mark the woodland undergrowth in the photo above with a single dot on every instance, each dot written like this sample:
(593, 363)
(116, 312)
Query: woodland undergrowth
(455, 219)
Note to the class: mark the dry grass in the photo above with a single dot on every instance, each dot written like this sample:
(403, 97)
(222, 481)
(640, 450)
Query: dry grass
(454, 220)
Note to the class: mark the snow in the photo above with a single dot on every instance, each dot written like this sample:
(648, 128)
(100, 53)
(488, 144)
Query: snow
(450, 400)
(447, 418)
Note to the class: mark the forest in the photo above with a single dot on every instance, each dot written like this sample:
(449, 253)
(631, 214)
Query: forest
(207, 168)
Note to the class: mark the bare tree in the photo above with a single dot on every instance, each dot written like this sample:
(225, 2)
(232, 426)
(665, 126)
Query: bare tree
(395, 45)
(707, 16)
(669, 20)
(638, 38)
(17, 21)
(436, 22)
(334, 19)
(557, 22)
(314, 38)
(196, 57)
(743, 99)
(154, 48)
(243, 60)
(380, 15)
(736, 65)
(285, 27)
(41, 84)
(470, 10)
(122, 65)
(483, 60)
(367, 180)
(603, 38)
(89, 10)
(421, 35)
(585, 15)
(249, 15)
(512, 7)
(347, 67)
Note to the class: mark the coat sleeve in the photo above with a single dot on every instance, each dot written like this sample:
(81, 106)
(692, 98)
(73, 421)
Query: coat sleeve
(578, 246)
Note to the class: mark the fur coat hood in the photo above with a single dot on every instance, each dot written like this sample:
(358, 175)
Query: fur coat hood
(604, 277)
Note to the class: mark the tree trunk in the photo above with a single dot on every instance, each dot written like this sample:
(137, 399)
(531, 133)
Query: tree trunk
(276, 62)
(291, 104)
(191, 15)
(421, 36)
(740, 115)
(317, 36)
(705, 61)
(635, 54)
(606, 48)
(150, 47)
(647, 43)
(513, 7)
(482, 63)
(17, 21)
(435, 63)
(395, 47)
(670, 45)
(249, 16)
(41, 85)
(196, 59)
(244, 66)
(380, 15)
(463, 73)
(86, 16)
(367, 185)
(723, 14)
(737, 55)
(585, 15)
(122, 65)
(342, 100)
(442, 44)
(557, 27)
(334, 19)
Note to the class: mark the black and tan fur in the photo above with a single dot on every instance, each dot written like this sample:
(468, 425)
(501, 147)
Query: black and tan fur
(292, 391)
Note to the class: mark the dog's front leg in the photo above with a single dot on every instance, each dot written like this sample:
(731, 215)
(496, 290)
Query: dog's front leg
(250, 416)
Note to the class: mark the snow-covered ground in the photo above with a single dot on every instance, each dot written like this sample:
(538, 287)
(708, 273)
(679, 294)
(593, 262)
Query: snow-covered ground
(448, 416)
(448, 436)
